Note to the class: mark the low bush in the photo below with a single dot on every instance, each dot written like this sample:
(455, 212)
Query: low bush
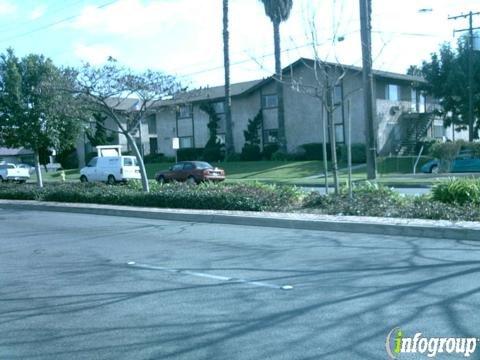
(269, 150)
(368, 200)
(424, 207)
(458, 191)
(314, 151)
(190, 154)
(251, 153)
(157, 158)
(373, 200)
(248, 197)
(359, 154)
(281, 156)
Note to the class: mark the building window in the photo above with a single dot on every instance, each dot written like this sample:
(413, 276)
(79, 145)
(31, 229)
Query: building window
(269, 101)
(153, 145)
(219, 107)
(421, 103)
(185, 111)
(414, 100)
(337, 94)
(339, 135)
(152, 124)
(186, 142)
(270, 136)
(392, 92)
(438, 131)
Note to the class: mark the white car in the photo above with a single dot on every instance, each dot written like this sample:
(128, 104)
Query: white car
(10, 172)
(111, 169)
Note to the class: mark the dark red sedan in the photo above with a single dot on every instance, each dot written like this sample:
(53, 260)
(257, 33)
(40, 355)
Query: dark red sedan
(192, 172)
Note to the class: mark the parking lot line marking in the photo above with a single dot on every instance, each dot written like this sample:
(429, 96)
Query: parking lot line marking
(209, 276)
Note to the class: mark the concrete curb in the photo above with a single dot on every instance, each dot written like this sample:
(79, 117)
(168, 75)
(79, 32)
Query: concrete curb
(441, 229)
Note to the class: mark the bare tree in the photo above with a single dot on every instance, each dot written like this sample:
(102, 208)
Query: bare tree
(110, 88)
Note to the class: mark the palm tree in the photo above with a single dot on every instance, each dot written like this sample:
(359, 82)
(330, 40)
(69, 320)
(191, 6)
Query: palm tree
(279, 11)
(229, 147)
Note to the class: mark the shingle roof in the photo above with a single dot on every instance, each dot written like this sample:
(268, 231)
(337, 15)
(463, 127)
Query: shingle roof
(218, 92)
(215, 92)
(378, 73)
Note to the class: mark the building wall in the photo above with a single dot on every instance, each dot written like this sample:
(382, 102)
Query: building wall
(243, 109)
(304, 113)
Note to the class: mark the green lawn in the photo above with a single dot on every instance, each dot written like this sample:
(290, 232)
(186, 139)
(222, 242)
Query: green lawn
(70, 175)
(400, 164)
(392, 171)
(268, 171)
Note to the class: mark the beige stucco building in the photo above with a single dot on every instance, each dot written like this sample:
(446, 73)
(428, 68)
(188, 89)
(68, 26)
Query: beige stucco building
(403, 114)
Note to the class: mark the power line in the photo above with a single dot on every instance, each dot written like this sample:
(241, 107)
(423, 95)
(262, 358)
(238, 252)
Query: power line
(44, 27)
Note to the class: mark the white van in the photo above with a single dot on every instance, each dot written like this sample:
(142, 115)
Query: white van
(111, 169)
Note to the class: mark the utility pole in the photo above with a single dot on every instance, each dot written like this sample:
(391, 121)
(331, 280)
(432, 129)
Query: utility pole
(369, 106)
(470, 67)
(230, 147)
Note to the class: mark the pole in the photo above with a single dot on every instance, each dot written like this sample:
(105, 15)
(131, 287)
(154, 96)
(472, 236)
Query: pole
(470, 79)
(230, 148)
(365, 23)
(349, 151)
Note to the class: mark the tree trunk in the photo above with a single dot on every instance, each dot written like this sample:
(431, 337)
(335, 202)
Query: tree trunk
(38, 169)
(333, 142)
(282, 140)
(229, 146)
(324, 148)
(141, 164)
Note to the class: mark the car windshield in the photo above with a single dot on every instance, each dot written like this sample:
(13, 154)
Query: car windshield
(203, 165)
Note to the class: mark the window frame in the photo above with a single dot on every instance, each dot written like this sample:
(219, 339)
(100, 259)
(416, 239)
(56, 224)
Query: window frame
(264, 101)
(149, 123)
(397, 92)
(183, 138)
(183, 115)
(214, 105)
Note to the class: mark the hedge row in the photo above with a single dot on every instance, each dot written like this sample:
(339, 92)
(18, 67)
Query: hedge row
(453, 200)
(374, 200)
(253, 197)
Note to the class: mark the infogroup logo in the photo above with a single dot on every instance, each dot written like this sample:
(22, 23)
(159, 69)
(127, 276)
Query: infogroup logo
(397, 343)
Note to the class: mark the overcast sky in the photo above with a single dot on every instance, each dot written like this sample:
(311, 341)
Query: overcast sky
(184, 37)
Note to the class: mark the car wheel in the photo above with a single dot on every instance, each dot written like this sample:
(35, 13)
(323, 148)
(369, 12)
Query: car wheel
(434, 169)
(111, 180)
(191, 180)
(161, 180)
(83, 179)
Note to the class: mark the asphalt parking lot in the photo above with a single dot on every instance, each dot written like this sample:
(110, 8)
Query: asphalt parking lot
(97, 287)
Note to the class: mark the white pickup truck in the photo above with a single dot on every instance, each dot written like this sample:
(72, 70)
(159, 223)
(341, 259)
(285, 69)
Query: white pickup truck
(12, 172)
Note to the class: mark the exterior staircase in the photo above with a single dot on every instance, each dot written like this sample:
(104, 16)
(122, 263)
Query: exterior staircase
(415, 130)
